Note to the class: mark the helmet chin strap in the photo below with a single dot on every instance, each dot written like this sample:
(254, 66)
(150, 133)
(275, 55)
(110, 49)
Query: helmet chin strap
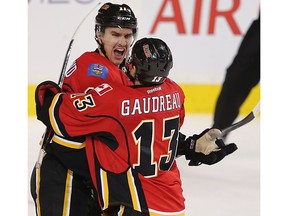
(101, 47)
(103, 51)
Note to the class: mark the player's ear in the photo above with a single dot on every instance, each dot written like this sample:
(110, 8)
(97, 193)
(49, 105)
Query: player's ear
(98, 37)
(133, 71)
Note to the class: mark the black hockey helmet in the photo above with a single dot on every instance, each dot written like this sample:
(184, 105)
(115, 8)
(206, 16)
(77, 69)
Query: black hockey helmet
(152, 59)
(115, 15)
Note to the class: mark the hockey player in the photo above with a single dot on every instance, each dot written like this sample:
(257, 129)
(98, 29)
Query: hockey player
(60, 188)
(134, 170)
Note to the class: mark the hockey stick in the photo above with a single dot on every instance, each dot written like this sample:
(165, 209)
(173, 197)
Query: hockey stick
(244, 121)
(238, 124)
(47, 135)
(61, 78)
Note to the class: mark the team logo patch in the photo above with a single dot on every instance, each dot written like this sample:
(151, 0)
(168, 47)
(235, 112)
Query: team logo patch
(103, 89)
(98, 70)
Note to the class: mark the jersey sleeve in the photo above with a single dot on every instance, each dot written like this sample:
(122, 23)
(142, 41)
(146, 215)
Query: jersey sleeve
(71, 114)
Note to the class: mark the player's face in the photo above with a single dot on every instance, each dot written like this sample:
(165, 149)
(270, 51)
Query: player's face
(117, 42)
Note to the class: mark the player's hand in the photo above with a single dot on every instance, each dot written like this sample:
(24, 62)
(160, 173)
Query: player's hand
(44, 94)
(206, 148)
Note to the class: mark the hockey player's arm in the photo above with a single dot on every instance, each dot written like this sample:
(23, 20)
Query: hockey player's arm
(71, 115)
(44, 95)
(204, 148)
(56, 110)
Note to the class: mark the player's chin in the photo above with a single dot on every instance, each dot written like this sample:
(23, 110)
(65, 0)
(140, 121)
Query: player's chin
(117, 60)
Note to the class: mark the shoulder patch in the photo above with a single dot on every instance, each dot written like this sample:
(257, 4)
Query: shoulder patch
(98, 70)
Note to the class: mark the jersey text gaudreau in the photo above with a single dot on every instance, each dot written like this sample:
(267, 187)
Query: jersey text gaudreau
(153, 104)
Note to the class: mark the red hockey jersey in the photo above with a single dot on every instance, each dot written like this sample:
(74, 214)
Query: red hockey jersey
(135, 165)
(86, 72)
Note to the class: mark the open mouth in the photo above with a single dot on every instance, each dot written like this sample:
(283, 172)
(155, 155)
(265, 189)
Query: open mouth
(119, 53)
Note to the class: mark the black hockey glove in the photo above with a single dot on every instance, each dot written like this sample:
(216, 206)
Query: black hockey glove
(44, 94)
(204, 148)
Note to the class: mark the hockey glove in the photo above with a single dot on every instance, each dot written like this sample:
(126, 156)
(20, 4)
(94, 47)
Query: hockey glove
(205, 148)
(44, 94)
